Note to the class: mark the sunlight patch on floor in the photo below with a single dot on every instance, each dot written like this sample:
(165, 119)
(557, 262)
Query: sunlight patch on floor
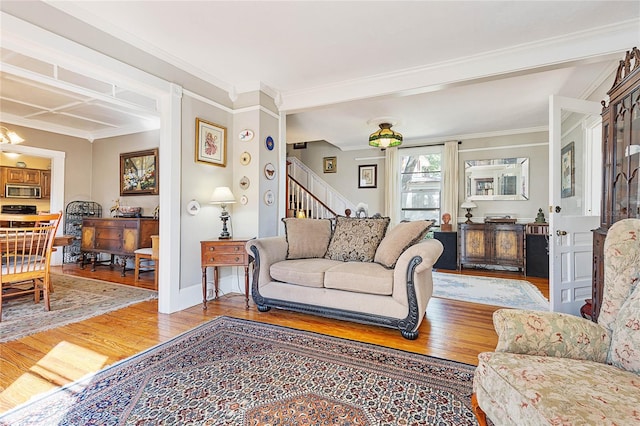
(63, 364)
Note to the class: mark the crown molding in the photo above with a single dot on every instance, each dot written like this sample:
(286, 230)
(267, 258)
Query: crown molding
(596, 44)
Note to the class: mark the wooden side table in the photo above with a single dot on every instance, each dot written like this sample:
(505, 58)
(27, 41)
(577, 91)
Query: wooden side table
(215, 253)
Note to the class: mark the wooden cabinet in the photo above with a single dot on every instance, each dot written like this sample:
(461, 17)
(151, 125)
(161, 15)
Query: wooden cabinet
(45, 183)
(499, 244)
(117, 237)
(621, 157)
(449, 257)
(215, 253)
(20, 175)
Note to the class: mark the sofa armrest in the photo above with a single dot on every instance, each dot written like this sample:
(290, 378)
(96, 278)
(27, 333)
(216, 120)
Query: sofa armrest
(427, 253)
(550, 334)
(270, 250)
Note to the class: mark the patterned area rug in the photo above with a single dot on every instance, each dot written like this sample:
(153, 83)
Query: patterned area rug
(238, 372)
(74, 299)
(489, 291)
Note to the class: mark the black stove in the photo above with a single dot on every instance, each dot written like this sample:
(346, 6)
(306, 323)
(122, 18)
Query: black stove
(19, 209)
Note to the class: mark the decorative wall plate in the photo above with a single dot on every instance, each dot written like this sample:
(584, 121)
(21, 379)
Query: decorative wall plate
(193, 207)
(246, 135)
(244, 200)
(269, 143)
(244, 182)
(269, 171)
(269, 198)
(245, 158)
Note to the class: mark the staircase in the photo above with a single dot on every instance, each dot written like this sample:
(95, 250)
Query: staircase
(308, 195)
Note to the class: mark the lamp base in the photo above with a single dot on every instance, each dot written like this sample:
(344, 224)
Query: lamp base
(468, 216)
(224, 235)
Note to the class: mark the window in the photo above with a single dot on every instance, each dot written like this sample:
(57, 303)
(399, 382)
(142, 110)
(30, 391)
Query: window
(420, 183)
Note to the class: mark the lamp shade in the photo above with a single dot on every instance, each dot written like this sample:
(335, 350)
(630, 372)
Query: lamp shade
(222, 195)
(468, 205)
(385, 137)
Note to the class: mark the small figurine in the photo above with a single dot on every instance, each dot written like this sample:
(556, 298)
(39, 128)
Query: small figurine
(540, 218)
(446, 226)
(115, 209)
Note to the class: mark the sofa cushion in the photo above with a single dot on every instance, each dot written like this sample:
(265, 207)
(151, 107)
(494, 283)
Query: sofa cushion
(360, 277)
(624, 351)
(305, 272)
(536, 390)
(307, 238)
(356, 239)
(398, 239)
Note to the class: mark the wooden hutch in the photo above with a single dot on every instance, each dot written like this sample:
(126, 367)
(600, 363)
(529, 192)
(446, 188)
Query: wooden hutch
(621, 156)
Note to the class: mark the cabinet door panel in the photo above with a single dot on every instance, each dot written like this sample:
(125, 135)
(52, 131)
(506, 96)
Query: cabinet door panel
(88, 237)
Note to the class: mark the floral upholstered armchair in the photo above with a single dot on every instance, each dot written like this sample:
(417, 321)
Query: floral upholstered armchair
(553, 368)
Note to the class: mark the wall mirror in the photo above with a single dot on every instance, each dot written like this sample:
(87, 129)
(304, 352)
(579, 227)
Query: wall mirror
(497, 179)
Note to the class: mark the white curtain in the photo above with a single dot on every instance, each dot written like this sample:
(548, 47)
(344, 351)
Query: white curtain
(450, 196)
(391, 195)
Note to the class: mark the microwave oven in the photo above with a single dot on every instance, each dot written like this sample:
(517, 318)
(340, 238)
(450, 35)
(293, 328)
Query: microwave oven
(22, 191)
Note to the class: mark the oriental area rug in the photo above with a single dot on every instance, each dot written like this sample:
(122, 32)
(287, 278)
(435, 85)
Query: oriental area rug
(73, 299)
(489, 291)
(239, 372)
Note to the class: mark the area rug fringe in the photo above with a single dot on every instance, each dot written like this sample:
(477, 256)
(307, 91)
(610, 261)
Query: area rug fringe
(232, 371)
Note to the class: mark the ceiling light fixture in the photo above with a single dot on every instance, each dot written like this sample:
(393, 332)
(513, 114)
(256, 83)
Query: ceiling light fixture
(385, 137)
(9, 136)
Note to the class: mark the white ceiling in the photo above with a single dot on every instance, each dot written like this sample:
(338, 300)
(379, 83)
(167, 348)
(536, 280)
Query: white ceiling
(443, 69)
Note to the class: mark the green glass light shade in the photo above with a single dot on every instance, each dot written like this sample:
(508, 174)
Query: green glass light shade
(385, 137)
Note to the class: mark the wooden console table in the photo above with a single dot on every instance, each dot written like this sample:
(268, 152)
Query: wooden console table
(118, 236)
(215, 253)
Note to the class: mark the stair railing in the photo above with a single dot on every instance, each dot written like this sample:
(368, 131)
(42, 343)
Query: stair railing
(302, 203)
(317, 186)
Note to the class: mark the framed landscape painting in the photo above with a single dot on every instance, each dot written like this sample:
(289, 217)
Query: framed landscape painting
(211, 143)
(139, 173)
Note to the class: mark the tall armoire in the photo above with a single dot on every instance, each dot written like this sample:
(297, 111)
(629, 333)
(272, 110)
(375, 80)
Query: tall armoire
(621, 156)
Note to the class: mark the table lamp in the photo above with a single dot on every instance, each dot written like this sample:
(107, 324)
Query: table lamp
(223, 196)
(468, 205)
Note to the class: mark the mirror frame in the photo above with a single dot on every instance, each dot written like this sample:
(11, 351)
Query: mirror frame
(489, 171)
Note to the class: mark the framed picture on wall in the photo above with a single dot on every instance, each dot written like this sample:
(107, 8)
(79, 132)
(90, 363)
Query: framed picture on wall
(368, 176)
(329, 165)
(211, 143)
(139, 173)
(568, 168)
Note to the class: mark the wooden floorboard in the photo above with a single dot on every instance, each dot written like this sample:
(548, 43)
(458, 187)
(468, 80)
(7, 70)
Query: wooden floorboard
(40, 362)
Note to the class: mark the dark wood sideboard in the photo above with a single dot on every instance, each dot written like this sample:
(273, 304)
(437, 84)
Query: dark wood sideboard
(499, 244)
(115, 236)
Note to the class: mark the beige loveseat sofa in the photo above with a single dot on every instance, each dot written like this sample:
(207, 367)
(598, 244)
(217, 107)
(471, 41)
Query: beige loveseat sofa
(356, 271)
(557, 369)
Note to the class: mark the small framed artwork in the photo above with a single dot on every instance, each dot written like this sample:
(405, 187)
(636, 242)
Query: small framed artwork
(368, 176)
(139, 173)
(568, 169)
(300, 145)
(329, 165)
(211, 143)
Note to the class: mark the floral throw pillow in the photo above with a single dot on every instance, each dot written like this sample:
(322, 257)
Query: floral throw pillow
(625, 341)
(356, 239)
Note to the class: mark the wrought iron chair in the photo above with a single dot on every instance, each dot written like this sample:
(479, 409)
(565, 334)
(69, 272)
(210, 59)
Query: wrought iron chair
(26, 255)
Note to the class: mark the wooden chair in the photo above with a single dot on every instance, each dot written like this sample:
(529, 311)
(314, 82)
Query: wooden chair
(148, 255)
(26, 256)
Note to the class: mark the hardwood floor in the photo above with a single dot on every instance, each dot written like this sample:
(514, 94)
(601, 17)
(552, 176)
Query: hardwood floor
(43, 361)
